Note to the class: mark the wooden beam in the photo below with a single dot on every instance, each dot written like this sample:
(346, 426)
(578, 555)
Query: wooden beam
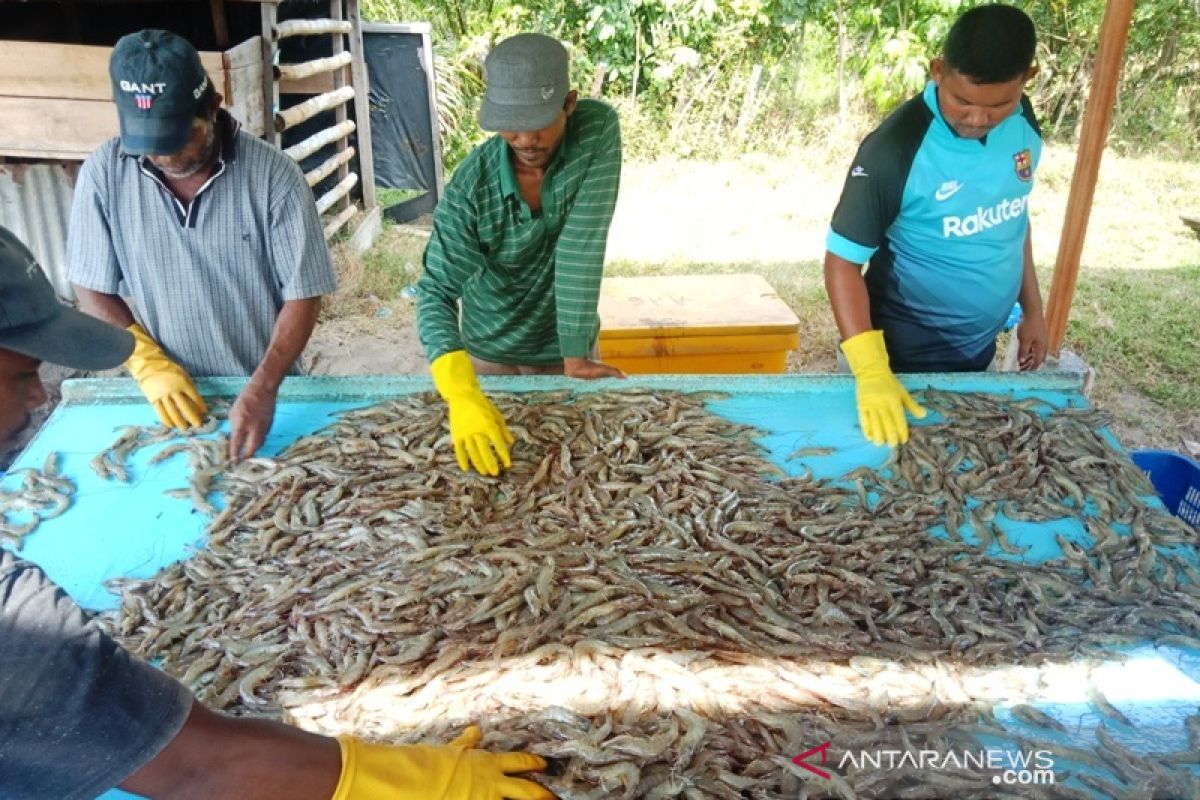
(362, 108)
(336, 193)
(340, 220)
(312, 144)
(310, 27)
(315, 176)
(305, 69)
(270, 91)
(1097, 117)
(291, 117)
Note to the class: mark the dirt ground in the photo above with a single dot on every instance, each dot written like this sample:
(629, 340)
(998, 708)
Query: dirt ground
(366, 345)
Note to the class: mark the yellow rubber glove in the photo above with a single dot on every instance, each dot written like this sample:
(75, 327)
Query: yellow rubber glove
(166, 385)
(475, 425)
(456, 771)
(881, 398)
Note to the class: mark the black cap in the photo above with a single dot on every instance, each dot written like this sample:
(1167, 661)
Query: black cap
(34, 323)
(158, 84)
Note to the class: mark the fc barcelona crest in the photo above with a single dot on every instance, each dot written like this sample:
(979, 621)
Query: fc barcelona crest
(1023, 162)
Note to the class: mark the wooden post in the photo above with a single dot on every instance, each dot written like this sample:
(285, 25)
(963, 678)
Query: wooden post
(362, 106)
(268, 14)
(1097, 117)
(220, 23)
(339, 80)
(435, 125)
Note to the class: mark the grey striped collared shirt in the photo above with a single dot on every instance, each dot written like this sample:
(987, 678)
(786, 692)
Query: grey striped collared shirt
(207, 280)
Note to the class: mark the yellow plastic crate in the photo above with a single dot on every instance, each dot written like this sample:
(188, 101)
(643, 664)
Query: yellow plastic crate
(695, 324)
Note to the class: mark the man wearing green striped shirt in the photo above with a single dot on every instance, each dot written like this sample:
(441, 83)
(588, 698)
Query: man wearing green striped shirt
(512, 270)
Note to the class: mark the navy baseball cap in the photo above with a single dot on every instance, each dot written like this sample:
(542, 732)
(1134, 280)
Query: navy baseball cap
(158, 85)
(527, 83)
(34, 323)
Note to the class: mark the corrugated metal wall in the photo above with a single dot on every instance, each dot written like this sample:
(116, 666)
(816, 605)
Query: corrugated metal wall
(35, 204)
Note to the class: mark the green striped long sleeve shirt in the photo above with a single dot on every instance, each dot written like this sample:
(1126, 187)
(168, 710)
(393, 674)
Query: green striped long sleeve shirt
(528, 283)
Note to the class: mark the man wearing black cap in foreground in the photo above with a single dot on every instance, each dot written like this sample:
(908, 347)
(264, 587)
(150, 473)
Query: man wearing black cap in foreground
(518, 240)
(79, 714)
(213, 233)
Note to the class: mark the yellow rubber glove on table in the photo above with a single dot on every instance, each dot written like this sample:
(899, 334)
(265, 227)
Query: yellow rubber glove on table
(475, 425)
(166, 385)
(457, 771)
(881, 398)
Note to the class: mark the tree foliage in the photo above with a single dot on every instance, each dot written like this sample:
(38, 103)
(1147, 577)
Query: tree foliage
(682, 67)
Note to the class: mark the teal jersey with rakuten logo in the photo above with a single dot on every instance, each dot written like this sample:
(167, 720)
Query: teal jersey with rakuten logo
(943, 221)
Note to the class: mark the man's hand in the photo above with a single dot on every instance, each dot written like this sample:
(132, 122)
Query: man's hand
(250, 420)
(476, 427)
(457, 771)
(586, 369)
(165, 384)
(881, 399)
(1032, 340)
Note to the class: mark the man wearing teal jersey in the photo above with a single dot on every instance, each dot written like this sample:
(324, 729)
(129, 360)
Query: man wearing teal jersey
(937, 202)
(512, 270)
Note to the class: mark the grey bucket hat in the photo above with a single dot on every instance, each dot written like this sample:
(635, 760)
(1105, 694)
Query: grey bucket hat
(528, 79)
(34, 323)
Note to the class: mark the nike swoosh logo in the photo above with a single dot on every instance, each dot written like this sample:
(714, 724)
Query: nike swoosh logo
(947, 190)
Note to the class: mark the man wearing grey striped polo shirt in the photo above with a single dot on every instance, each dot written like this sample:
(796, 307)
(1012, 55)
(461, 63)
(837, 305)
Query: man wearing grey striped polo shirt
(518, 240)
(213, 233)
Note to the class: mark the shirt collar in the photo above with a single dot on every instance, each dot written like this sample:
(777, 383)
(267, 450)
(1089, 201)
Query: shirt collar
(931, 100)
(508, 176)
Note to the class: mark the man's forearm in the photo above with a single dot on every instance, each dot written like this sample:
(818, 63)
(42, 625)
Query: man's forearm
(108, 307)
(291, 333)
(215, 756)
(847, 290)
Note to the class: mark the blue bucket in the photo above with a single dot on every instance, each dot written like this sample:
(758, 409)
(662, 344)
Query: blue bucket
(1176, 478)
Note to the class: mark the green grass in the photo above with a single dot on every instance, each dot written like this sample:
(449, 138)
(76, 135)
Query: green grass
(393, 197)
(378, 276)
(1142, 332)
(392, 265)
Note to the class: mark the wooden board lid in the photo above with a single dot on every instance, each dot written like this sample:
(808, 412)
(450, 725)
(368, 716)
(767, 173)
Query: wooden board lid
(692, 305)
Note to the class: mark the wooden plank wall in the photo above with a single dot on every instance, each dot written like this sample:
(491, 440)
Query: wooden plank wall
(56, 99)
